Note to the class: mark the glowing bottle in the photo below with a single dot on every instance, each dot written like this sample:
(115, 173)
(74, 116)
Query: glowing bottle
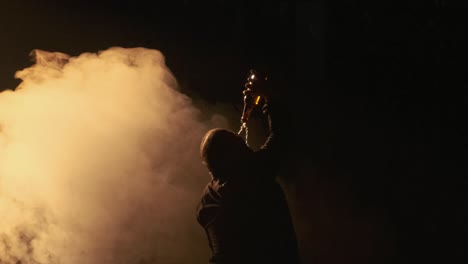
(250, 100)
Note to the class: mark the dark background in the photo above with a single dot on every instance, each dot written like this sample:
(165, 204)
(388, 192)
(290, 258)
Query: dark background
(376, 172)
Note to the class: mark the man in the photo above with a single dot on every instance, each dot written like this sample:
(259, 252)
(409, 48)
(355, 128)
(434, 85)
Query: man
(243, 209)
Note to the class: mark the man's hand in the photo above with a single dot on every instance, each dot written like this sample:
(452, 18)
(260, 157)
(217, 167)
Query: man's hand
(257, 85)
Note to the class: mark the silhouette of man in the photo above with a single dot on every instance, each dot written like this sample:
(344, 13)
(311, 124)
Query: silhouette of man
(243, 209)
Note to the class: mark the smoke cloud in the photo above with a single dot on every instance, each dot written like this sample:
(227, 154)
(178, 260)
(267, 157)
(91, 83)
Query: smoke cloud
(99, 162)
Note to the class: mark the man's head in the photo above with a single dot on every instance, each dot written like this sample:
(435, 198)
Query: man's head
(223, 151)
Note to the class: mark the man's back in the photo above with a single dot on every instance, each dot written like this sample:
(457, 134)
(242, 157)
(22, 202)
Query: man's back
(248, 223)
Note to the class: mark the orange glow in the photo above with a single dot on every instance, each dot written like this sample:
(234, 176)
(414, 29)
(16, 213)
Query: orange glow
(257, 100)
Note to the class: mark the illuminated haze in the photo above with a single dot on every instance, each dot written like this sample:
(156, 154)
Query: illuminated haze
(99, 162)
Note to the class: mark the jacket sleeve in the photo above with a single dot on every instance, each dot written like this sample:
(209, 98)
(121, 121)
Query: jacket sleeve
(269, 155)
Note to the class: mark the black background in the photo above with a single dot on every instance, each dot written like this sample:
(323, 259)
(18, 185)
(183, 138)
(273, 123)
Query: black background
(373, 88)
